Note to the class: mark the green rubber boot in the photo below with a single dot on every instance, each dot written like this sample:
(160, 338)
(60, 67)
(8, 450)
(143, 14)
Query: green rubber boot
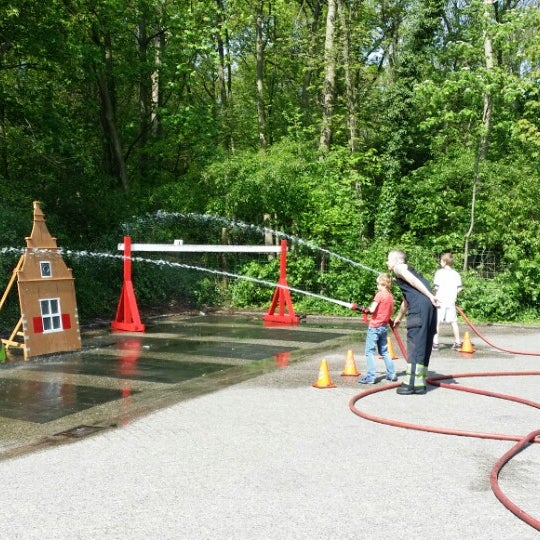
(420, 379)
(414, 381)
(407, 386)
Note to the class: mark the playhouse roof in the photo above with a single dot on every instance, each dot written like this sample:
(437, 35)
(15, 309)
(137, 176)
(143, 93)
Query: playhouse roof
(40, 236)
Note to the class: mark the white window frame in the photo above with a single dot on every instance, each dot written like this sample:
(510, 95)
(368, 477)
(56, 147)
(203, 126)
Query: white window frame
(41, 265)
(51, 315)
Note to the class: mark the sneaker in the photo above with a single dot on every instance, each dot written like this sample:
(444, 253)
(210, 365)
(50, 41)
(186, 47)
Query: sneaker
(435, 346)
(366, 380)
(392, 379)
(456, 346)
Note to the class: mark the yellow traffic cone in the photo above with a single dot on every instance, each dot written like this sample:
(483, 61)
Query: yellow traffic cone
(350, 369)
(324, 377)
(466, 346)
(391, 349)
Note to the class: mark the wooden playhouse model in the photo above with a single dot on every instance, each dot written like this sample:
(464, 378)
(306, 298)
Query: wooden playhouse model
(49, 320)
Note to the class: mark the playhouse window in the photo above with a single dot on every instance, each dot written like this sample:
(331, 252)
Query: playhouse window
(51, 314)
(45, 267)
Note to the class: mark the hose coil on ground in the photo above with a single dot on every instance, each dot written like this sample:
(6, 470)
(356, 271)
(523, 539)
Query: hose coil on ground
(522, 442)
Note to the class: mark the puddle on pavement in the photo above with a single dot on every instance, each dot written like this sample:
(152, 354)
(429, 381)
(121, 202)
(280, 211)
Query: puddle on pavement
(142, 369)
(119, 376)
(249, 332)
(40, 401)
(243, 351)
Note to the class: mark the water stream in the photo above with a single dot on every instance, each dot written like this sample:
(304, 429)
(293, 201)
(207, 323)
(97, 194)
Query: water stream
(161, 215)
(162, 262)
(246, 278)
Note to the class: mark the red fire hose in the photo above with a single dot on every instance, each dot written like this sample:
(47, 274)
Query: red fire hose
(521, 441)
(483, 338)
(525, 441)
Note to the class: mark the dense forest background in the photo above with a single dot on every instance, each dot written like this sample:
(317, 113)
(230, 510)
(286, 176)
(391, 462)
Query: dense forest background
(348, 127)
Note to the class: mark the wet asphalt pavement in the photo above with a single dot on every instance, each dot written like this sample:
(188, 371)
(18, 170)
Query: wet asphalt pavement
(119, 376)
(209, 427)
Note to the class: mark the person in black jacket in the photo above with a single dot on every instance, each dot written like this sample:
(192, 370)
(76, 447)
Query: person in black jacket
(420, 305)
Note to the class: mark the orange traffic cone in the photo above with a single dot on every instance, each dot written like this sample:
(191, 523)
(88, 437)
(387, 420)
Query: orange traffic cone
(466, 346)
(391, 349)
(350, 369)
(324, 377)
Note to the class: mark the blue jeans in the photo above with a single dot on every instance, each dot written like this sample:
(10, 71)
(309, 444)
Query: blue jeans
(377, 340)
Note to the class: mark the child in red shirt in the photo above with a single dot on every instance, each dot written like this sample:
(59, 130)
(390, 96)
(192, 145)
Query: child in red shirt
(381, 308)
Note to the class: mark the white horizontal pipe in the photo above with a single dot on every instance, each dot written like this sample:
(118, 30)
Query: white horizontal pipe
(202, 248)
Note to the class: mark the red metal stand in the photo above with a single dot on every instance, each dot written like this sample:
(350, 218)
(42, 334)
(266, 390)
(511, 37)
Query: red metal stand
(282, 295)
(127, 313)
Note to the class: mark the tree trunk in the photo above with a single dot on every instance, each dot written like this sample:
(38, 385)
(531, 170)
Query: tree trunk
(316, 8)
(3, 141)
(145, 97)
(159, 49)
(4, 169)
(111, 133)
(221, 55)
(261, 112)
(352, 122)
(329, 79)
(104, 79)
(224, 77)
(483, 143)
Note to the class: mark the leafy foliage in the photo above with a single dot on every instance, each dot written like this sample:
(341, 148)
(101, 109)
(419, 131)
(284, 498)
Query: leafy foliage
(141, 119)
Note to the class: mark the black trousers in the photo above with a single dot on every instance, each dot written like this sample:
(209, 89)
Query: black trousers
(421, 327)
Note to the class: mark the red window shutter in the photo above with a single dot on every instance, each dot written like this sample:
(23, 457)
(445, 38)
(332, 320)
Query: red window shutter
(66, 321)
(38, 325)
